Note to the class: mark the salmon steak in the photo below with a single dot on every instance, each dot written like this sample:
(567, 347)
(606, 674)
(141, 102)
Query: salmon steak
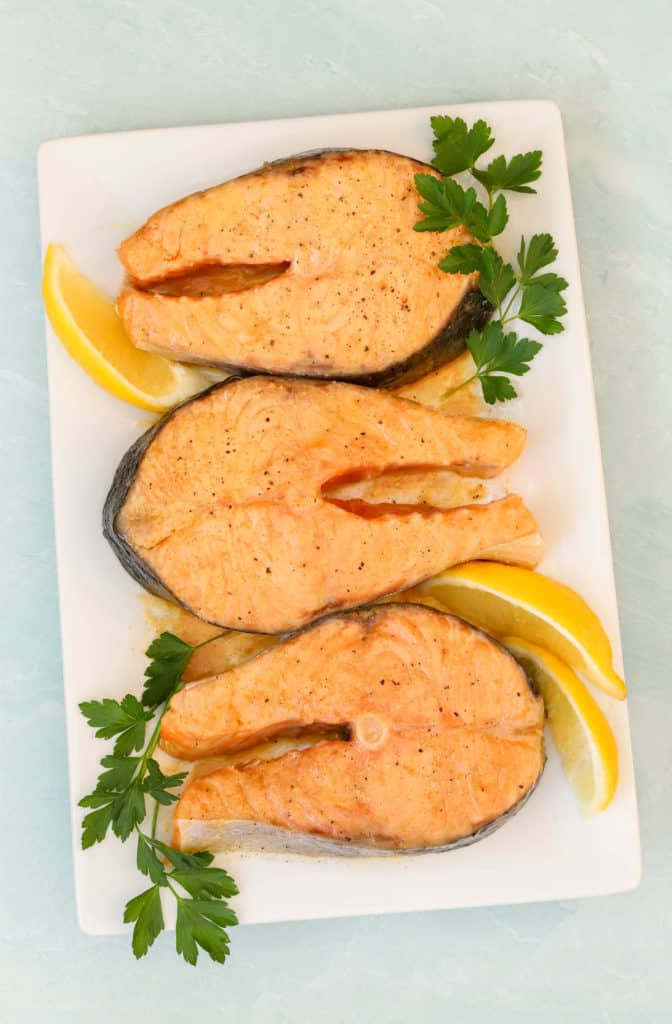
(441, 737)
(308, 266)
(223, 506)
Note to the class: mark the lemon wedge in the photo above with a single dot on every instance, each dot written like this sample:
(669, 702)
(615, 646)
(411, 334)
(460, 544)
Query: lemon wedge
(581, 733)
(88, 326)
(508, 601)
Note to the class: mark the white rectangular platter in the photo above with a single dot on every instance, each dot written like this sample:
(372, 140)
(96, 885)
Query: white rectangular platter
(95, 190)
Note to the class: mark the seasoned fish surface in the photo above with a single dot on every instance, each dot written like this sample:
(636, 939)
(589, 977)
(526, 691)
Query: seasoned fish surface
(445, 736)
(357, 293)
(221, 506)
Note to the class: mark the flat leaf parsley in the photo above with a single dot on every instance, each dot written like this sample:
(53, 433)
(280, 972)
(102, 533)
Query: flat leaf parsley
(119, 803)
(516, 293)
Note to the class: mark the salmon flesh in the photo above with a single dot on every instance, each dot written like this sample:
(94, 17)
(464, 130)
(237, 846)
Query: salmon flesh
(308, 266)
(221, 507)
(442, 736)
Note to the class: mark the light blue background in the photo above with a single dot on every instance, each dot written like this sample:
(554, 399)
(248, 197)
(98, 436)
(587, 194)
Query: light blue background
(69, 67)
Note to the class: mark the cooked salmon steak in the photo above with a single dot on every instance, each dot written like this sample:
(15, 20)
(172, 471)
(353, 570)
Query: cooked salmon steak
(442, 735)
(335, 283)
(221, 507)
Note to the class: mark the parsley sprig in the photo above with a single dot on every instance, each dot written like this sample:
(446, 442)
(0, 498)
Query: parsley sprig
(119, 803)
(519, 292)
(497, 354)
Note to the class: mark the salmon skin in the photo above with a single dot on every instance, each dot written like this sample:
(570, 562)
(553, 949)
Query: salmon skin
(220, 506)
(356, 295)
(444, 737)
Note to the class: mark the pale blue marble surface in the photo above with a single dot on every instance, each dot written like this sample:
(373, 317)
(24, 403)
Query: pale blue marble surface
(74, 66)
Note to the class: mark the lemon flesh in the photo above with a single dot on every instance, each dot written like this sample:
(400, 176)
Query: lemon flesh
(509, 601)
(581, 733)
(87, 324)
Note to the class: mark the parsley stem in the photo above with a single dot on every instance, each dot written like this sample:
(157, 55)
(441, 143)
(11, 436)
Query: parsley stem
(176, 894)
(141, 769)
(211, 639)
(458, 387)
(153, 740)
(155, 818)
(503, 316)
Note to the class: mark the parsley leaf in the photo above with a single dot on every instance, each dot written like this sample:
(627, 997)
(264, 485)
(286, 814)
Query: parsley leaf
(185, 943)
(497, 355)
(552, 281)
(432, 191)
(170, 657)
(462, 259)
(467, 210)
(209, 888)
(513, 176)
(497, 217)
(117, 803)
(202, 924)
(437, 208)
(129, 810)
(167, 646)
(497, 389)
(508, 353)
(185, 861)
(120, 771)
(447, 205)
(496, 277)
(125, 719)
(147, 861)
(204, 914)
(456, 147)
(541, 306)
(156, 784)
(145, 910)
(217, 912)
(535, 254)
(96, 823)
(205, 882)
(542, 303)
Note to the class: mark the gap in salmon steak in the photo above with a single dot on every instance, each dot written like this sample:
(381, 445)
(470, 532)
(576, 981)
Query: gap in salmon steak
(213, 279)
